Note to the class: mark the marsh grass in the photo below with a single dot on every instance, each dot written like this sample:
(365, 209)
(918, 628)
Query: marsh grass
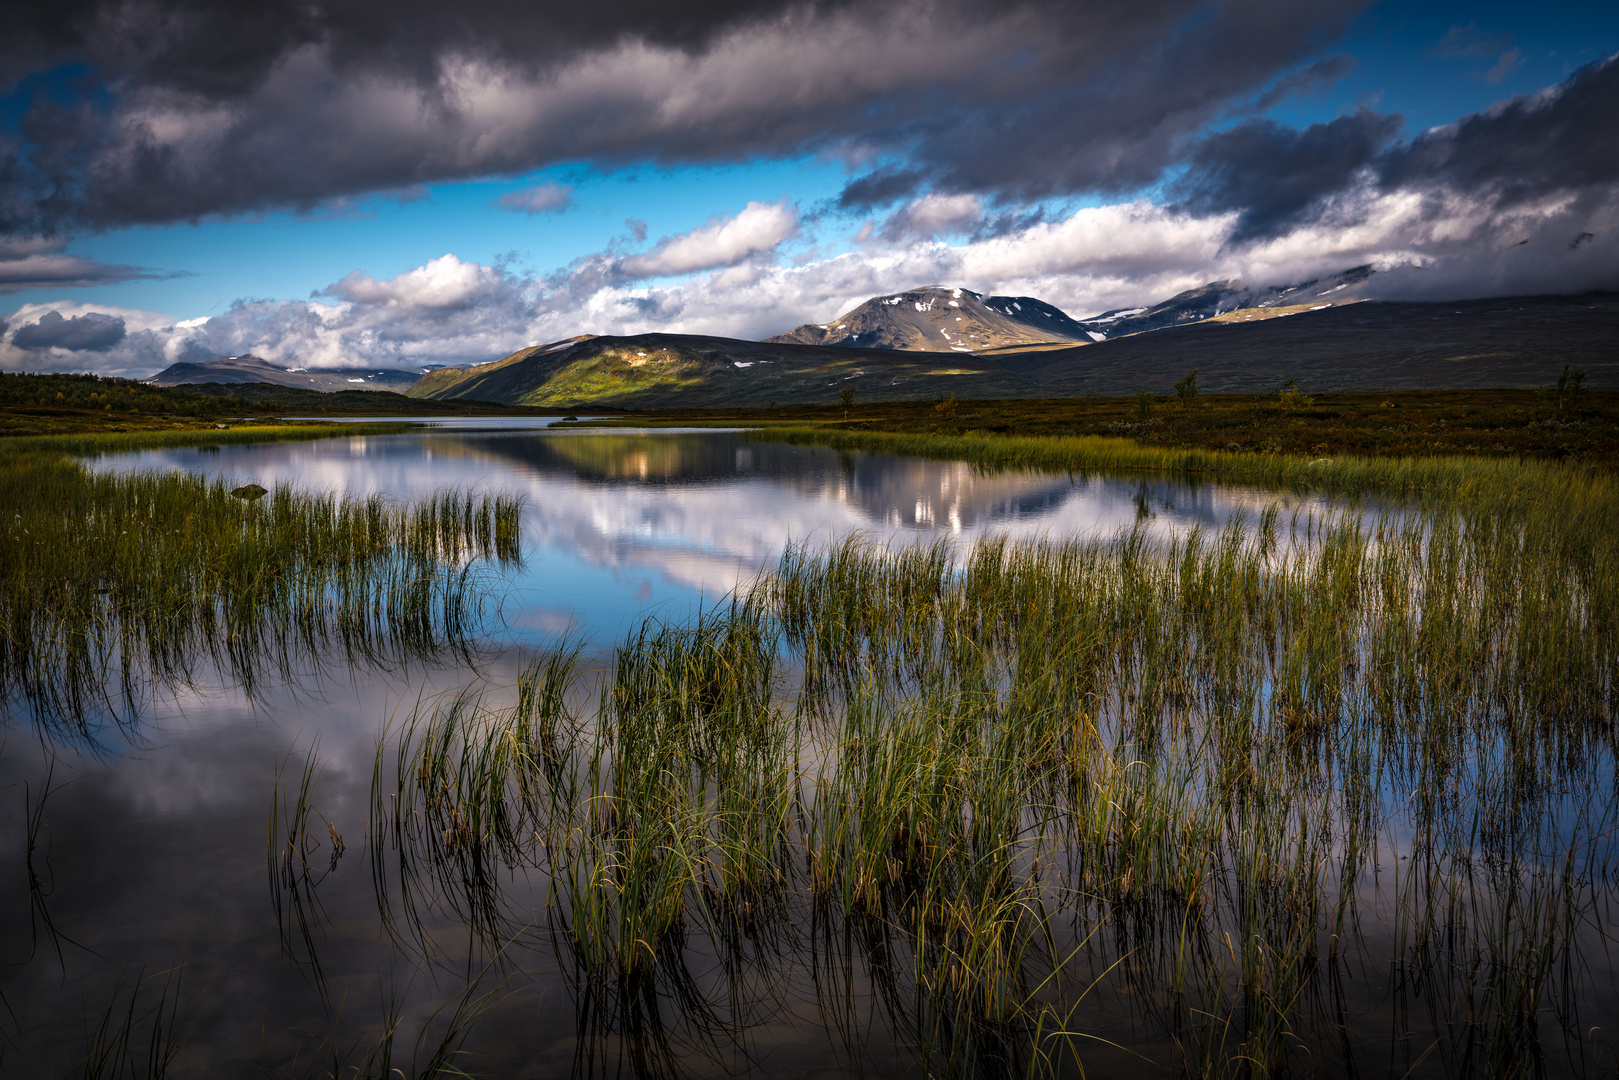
(113, 587)
(1026, 800)
(1485, 484)
(387, 1052)
(141, 1031)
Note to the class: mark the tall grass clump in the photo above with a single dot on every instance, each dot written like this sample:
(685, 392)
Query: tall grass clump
(114, 586)
(1025, 802)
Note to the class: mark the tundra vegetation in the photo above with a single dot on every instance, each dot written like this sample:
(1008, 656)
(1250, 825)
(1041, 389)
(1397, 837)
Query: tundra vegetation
(1570, 423)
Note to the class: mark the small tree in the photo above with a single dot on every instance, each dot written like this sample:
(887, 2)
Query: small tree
(1289, 397)
(846, 396)
(1187, 388)
(946, 409)
(1570, 385)
(1144, 403)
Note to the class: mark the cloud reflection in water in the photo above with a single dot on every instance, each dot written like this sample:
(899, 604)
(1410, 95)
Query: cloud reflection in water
(619, 523)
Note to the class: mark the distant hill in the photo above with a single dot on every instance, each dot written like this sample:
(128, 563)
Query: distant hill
(273, 397)
(687, 371)
(1219, 298)
(1368, 345)
(935, 319)
(1371, 345)
(251, 369)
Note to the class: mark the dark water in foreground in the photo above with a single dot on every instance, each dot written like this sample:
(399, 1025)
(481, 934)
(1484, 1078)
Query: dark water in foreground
(143, 867)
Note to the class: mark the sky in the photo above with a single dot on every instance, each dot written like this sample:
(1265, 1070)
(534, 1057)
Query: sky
(408, 183)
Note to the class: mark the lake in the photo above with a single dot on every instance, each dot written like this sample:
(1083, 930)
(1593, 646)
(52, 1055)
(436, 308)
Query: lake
(140, 870)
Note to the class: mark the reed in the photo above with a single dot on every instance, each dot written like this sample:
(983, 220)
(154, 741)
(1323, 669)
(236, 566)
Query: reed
(113, 587)
(386, 1051)
(137, 1037)
(1200, 784)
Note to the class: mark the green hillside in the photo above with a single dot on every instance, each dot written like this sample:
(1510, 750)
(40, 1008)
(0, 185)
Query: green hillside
(686, 371)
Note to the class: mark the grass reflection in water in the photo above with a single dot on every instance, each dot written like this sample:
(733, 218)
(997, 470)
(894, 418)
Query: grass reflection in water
(114, 586)
(1229, 801)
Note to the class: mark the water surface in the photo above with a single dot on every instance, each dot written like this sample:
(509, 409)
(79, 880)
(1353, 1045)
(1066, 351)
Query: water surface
(149, 856)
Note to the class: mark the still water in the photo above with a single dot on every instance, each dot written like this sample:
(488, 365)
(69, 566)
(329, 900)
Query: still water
(618, 526)
(140, 870)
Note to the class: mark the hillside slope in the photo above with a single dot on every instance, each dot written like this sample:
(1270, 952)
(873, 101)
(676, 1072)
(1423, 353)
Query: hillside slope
(688, 371)
(935, 319)
(1372, 345)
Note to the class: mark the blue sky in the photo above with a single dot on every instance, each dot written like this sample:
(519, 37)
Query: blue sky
(1100, 172)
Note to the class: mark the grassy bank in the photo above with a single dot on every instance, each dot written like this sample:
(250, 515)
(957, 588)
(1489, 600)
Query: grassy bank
(1540, 424)
(1488, 483)
(113, 587)
(33, 405)
(89, 443)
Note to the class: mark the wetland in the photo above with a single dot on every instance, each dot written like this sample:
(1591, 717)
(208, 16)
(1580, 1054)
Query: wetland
(516, 751)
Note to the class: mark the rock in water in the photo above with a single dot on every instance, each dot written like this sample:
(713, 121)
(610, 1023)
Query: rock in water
(250, 492)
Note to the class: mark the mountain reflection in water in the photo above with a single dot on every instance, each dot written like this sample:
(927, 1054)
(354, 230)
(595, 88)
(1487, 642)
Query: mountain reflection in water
(618, 522)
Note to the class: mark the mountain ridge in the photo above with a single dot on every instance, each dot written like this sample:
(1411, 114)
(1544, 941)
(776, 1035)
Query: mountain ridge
(1366, 345)
(252, 369)
(1218, 298)
(936, 318)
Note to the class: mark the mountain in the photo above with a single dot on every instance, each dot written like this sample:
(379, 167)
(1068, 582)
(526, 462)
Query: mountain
(1221, 298)
(1370, 345)
(1373, 345)
(934, 319)
(688, 371)
(250, 369)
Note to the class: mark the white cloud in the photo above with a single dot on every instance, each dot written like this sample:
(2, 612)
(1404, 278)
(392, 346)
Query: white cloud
(443, 283)
(935, 215)
(759, 228)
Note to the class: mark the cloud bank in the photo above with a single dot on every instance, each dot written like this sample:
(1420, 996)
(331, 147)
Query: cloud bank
(966, 130)
(195, 108)
(1466, 234)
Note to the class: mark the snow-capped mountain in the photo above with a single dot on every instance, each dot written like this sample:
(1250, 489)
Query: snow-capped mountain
(937, 319)
(1219, 298)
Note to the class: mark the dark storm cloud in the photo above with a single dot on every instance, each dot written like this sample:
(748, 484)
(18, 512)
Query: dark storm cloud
(227, 50)
(1276, 177)
(879, 188)
(1135, 109)
(35, 262)
(92, 332)
(197, 109)
(1559, 141)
